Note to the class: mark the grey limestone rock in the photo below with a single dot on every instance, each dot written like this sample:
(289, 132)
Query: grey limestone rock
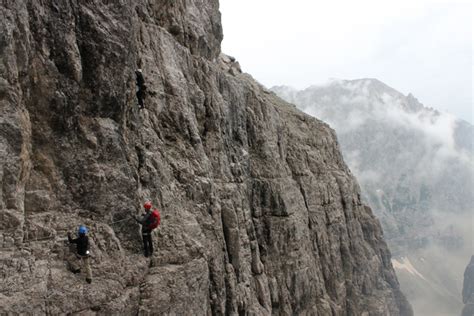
(260, 214)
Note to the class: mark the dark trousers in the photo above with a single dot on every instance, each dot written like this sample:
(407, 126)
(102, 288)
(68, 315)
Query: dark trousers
(140, 97)
(147, 244)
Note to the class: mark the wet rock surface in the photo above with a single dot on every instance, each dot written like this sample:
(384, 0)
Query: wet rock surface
(260, 215)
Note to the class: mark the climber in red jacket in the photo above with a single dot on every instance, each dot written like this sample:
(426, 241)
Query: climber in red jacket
(149, 221)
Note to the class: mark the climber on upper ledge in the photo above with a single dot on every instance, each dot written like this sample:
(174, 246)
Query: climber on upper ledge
(82, 254)
(141, 93)
(149, 221)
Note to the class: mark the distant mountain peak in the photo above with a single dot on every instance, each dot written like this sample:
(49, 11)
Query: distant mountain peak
(414, 165)
(356, 92)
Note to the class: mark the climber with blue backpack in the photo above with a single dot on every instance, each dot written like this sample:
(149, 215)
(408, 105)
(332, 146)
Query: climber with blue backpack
(82, 253)
(149, 221)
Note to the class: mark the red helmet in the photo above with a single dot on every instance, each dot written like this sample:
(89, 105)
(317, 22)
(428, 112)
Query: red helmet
(147, 205)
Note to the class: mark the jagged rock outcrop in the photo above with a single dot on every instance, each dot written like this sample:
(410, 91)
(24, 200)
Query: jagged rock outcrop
(260, 215)
(468, 289)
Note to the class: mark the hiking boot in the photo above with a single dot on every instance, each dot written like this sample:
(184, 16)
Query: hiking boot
(89, 280)
(76, 271)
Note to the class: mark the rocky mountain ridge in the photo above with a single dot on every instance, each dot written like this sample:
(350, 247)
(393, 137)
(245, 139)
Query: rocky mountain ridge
(414, 165)
(260, 214)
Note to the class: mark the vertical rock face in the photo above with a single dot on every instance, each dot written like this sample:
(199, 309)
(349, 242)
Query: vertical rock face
(415, 166)
(260, 215)
(468, 290)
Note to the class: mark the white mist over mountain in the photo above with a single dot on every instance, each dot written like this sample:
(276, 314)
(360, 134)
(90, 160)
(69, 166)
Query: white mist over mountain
(416, 169)
(418, 46)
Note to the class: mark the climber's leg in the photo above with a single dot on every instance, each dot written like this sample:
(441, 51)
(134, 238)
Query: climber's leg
(87, 266)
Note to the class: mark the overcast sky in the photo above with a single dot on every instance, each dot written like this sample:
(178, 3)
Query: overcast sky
(419, 46)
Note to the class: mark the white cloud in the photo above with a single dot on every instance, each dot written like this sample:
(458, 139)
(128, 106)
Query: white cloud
(418, 46)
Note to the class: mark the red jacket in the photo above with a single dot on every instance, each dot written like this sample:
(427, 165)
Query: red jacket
(150, 220)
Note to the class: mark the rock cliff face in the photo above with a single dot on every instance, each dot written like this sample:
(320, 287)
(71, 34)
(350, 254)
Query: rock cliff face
(260, 215)
(415, 168)
(468, 290)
